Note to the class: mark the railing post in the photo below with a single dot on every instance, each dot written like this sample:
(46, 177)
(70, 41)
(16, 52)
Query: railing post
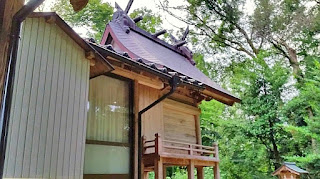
(191, 149)
(216, 169)
(143, 143)
(158, 144)
(216, 150)
(158, 164)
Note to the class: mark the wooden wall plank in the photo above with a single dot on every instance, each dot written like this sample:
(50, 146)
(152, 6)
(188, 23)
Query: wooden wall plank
(75, 106)
(14, 123)
(54, 166)
(180, 122)
(46, 76)
(64, 141)
(31, 147)
(48, 121)
(76, 139)
(52, 97)
(152, 121)
(83, 109)
(25, 125)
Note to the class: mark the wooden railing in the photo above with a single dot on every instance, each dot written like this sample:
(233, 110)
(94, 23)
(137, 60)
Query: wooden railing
(159, 146)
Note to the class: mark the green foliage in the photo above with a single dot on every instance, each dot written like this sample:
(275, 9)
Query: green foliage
(253, 55)
(151, 22)
(97, 14)
(309, 131)
(94, 16)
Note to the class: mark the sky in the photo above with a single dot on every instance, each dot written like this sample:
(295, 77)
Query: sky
(169, 22)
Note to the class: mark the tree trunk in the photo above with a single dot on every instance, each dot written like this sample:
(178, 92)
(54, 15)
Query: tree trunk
(293, 60)
(314, 144)
(276, 153)
(7, 10)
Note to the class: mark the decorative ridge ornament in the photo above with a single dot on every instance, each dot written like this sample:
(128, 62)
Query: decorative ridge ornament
(123, 19)
(128, 6)
(185, 50)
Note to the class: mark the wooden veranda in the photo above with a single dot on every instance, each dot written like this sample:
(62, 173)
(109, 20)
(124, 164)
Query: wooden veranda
(159, 154)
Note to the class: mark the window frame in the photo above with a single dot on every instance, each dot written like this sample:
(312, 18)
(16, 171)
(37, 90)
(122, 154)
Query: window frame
(131, 134)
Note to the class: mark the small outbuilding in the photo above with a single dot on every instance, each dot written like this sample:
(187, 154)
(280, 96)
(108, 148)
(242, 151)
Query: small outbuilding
(289, 170)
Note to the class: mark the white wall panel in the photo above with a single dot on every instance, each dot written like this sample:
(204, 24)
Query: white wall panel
(48, 113)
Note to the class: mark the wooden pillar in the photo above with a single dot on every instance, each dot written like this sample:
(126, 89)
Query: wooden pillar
(200, 173)
(7, 10)
(145, 175)
(158, 169)
(216, 169)
(191, 170)
(158, 144)
(136, 111)
(164, 171)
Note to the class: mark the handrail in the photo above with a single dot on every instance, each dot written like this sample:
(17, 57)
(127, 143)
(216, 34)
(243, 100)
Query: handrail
(160, 147)
(149, 141)
(183, 143)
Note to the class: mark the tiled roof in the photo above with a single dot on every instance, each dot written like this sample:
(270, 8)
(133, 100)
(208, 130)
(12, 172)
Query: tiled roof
(294, 167)
(143, 47)
(154, 66)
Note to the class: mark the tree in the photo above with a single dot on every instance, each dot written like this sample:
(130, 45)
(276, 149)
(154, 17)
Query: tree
(97, 14)
(225, 26)
(305, 126)
(94, 16)
(151, 22)
(236, 39)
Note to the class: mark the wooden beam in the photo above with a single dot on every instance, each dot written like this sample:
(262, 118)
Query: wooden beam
(220, 97)
(200, 173)
(178, 106)
(51, 19)
(97, 142)
(191, 170)
(141, 79)
(91, 57)
(158, 168)
(198, 129)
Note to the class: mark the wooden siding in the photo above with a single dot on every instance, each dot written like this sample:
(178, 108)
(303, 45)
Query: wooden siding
(48, 113)
(180, 122)
(152, 121)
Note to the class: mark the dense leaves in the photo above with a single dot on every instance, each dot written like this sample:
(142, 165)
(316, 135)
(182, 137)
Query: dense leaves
(98, 13)
(94, 16)
(268, 57)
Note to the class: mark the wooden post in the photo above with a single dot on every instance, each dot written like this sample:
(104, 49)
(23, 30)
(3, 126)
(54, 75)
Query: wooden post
(158, 144)
(143, 141)
(145, 175)
(7, 10)
(136, 111)
(158, 168)
(164, 171)
(200, 173)
(216, 169)
(191, 170)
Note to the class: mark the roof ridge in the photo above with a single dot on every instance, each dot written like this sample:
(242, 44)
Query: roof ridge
(128, 24)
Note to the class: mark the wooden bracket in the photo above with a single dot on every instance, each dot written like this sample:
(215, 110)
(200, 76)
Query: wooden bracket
(50, 19)
(90, 56)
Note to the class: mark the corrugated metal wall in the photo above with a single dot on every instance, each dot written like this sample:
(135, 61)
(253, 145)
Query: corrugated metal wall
(48, 114)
